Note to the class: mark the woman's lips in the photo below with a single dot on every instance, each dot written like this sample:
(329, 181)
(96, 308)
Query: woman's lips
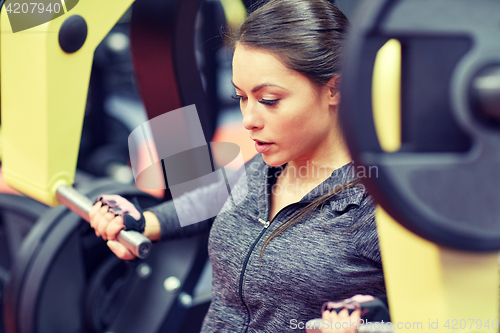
(262, 147)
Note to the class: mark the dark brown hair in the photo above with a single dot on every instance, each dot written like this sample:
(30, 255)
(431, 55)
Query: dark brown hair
(307, 35)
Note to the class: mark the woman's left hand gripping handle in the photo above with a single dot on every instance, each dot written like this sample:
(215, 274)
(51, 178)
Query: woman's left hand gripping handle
(111, 214)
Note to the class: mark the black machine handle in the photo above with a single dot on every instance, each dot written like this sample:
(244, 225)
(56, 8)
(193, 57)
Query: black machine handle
(134, 241)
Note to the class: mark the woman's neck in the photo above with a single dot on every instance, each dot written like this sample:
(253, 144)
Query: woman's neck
(314, 171)
(321, 163)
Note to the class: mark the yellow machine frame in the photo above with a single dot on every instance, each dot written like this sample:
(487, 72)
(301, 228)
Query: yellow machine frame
(44, 93)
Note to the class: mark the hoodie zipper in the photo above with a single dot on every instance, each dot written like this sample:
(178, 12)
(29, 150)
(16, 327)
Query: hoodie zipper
(266, 225)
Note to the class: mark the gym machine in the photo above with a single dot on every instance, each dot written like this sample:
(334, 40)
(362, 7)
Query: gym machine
(421, 105)
(40, 136)
(440, 266)
(42, 117)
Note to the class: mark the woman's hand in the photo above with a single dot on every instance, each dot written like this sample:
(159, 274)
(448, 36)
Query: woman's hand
(342, 321)
(107, 226)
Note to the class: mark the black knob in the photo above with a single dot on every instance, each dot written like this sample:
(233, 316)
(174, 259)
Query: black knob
(73, 34)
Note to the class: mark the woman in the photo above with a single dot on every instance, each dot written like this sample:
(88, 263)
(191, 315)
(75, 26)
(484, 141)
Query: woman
(305, 233)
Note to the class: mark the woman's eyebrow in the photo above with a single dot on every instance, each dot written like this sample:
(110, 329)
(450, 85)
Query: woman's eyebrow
(260, 86)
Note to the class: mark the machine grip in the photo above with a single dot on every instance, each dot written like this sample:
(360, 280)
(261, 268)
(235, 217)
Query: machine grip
(134, 241)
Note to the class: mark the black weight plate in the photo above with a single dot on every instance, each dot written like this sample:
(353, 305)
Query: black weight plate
(103, 291)
(57, 273)
(18, 214)
(443, 182)
(21, 263)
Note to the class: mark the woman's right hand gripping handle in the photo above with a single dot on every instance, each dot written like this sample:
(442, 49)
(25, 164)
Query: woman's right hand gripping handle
(113, 213)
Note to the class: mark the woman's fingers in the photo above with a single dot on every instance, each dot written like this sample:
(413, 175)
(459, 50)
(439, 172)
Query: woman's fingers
(341, 322)
(93, 214)
(103, 223)
(343, 315)
(338, 317)
(332, 318)
(107, 226)
(349, 321)
(114, 227)
(330, 315)
(100, 218)
(96, 220)
(94, 209)
(354, 318)
(120, 251)
(361, 298)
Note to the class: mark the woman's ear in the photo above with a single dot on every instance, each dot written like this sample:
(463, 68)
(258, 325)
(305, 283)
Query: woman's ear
(334, 91)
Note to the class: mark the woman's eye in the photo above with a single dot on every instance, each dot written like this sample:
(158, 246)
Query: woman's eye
(269, 102)
(239, 97)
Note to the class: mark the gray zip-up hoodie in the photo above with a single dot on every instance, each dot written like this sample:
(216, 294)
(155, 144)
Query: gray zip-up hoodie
(330, 255)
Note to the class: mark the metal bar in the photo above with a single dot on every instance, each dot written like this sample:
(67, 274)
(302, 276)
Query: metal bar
(134, 241)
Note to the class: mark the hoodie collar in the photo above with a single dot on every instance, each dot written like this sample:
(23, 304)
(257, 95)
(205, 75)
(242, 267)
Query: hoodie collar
(339, 177)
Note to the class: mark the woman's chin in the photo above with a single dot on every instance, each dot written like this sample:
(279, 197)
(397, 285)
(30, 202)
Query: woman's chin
(273, 161)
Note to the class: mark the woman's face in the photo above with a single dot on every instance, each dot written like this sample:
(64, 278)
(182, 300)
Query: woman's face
(289, 118)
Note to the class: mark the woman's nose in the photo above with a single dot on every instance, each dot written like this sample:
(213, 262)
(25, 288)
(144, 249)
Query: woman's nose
(251, 117)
